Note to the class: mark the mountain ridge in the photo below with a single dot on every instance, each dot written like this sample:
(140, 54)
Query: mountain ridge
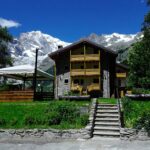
(23, 48)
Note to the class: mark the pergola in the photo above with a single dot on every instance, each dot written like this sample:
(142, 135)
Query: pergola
(25, 73)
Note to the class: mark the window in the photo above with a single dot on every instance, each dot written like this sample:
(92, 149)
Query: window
(66, 81)
(95, 66)
(82, 67)
(76, 81)
(95, 80)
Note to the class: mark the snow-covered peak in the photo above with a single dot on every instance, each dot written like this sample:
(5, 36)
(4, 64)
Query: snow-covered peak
(23, 48)
(116, 40)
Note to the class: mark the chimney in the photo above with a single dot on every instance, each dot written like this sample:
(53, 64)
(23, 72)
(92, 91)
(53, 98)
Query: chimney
(60, 46)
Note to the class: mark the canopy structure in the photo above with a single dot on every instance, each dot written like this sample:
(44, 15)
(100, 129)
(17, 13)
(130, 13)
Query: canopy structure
(25, 72)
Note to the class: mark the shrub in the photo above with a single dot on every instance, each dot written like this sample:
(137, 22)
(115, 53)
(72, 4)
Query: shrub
(40, 120)
(53, 118)
(35, 120)
(140, 91)
(84, 119)
(2, 121)
(14, 121)
(127, 105)
(30, 120)
(67, 110)
(143, 122)
(130, 112)
(134, 111)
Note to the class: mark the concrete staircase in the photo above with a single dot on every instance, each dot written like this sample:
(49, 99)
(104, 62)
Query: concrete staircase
(106, 121)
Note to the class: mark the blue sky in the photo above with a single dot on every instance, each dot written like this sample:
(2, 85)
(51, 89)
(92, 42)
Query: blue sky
(71, 20)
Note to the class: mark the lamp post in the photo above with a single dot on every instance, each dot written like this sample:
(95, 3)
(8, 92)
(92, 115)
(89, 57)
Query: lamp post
(35, 74)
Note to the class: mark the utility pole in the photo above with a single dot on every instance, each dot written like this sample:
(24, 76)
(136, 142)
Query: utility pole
(35, 75)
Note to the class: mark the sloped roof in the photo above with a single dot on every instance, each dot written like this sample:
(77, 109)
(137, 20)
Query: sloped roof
(122, 66)
(64, 49)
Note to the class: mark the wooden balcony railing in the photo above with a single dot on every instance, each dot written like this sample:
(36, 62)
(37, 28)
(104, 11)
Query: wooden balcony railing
(77, 58)
(85, 72)
(92, 72)
(93, 87)
(92, 57)
(121, 75)
(87, 57)
(76, 87)
(77, 72)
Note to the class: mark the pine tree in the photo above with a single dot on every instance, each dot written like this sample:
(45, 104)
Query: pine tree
(5, 38)
(139, 58)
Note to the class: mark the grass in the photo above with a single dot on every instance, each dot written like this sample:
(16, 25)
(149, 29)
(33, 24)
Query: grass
(133, 110)
(107, 100)
(82, 102)
(54, 114)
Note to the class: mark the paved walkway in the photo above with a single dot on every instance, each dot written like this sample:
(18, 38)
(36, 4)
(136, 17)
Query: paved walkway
(92, 144)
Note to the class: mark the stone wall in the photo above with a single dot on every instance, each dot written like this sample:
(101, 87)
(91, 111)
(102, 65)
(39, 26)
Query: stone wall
(62, 74)
(106, 84)
(133, 134)
(92, 114)
(41, 134)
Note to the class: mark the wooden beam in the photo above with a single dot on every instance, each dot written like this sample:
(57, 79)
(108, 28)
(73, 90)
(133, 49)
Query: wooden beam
(70, 71)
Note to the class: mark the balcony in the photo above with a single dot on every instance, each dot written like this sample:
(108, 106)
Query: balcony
(121, 75)
(76, 87)
(93, 87)
(92, 57)
(77, 72)
(87, 57)
(85, 72)
(76, 58)
(92, 72)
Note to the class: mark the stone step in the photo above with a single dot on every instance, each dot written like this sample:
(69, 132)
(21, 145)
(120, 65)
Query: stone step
(107, 111)
(107, 115)
(107, 128)
(107, 119)
(108, 134)
(107, 124)
(107, 107)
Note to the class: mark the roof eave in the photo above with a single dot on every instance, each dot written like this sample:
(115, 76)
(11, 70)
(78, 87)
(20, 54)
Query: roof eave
(61, 50)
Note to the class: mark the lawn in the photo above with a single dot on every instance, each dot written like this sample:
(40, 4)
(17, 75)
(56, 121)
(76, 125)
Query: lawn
(107, 100)
(136, 111)
(54, 114)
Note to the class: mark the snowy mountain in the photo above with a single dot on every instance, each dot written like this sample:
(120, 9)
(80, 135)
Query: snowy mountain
(116, 41)
(23, 48)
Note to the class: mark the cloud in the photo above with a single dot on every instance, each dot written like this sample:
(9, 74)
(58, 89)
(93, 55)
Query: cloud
(8, 23)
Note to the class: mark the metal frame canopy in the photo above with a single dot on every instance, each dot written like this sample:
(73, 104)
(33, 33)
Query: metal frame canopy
(25, 72)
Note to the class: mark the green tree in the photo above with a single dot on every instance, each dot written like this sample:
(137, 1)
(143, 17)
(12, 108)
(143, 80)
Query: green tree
(5, 38)
(139, 58)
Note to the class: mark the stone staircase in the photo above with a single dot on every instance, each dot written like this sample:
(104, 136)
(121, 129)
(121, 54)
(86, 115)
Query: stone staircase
(106, 123)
